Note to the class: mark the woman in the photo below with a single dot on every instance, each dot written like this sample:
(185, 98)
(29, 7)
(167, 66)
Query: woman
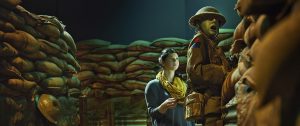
(165, 94)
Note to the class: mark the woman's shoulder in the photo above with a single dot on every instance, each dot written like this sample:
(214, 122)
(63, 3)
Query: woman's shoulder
(153, 83)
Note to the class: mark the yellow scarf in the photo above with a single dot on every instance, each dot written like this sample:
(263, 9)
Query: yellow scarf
(177, 89)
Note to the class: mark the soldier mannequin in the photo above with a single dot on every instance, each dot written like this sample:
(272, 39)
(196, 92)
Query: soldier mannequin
(207, 64)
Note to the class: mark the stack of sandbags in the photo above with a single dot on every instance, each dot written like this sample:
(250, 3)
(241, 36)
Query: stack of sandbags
(37, 57)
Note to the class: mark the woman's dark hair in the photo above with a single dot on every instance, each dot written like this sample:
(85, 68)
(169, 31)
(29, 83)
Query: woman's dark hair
(164, 54)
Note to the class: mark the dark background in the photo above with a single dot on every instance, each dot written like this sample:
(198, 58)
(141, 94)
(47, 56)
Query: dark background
(124, 21)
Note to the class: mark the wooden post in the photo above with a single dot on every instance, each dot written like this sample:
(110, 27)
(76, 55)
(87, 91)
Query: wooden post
(83, 110)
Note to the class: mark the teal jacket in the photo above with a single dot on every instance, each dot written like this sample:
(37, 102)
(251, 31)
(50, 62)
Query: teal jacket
(155, 94)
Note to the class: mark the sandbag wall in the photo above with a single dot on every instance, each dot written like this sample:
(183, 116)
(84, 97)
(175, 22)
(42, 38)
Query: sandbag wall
(37, 56)
(112, 71)
(122, 70)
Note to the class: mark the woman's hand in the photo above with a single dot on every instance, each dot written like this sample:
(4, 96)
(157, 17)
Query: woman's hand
(169, 103)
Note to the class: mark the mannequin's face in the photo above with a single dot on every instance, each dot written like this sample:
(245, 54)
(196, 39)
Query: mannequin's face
(210, 27)
(171, 62)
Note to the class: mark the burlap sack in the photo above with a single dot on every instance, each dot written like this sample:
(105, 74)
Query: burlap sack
(92, 44)
(73, 82)
(8, 92)
(50, 48)
(39, 55)
(70, 59)
(81, 53)
(62, 44)
(88, 66)
(22, 41)
(224, 34)
(169, 42)
(250, 35)
(146, 77)
(97, 57)
(70, 70)
(149, 56)
(55, 21)
(48, 67)
(29, 29)
(24, 65)
(143, 46)
(70, 41)
(97, 85)
(114, 92)
(10, 3)
(102, 70)
(226, 44)
(7, 70)
(62, 64)
(118, 77)
(6, 50)
(21, 85)
(134, 74)
(85, 75)
(113, 65)
(48, 29)
(6, 26)
(11, 17)
(124, 63)
(140, 64)
(74, 92)
(54, 82)
(228, 90)
(111, 49)
(35, 76)
(30, 18)
(134, 84)
(181, 51)
(122, 55)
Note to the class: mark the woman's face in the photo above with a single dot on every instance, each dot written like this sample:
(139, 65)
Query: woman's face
(171, 62)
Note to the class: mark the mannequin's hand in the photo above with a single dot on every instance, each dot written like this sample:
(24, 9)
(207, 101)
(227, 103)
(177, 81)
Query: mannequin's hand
(169, 103)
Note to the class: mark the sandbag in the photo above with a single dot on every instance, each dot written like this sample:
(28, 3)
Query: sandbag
(7, 70)
(39, 55)
(143, 46)
(24, 65)
(70, 70)
(124, 63)
(6, 26)
(62, 44)
(97, 57)
(181, 51)
(133, 84)
(70, 41)
(49, 47)
(55, 21)
(73, 82)
(134, 74)
(6, 50)
(113, 65)
(48, 67)
(74, 92)
(103, 70)
(11, 17)
(10, 3)
(92, 44)
(146, 77)
(29, 18)
(85, 75)
(29, 29)
(88, 66)
(5, 91)
(62, 64)
(22, 41)
(114, 92)
(49, 30)
(226, 44)
(81, 53)
(111, 49)
(118, 77)
(70, 59)
(122, 55)
(35, 76)
(250, 35)
(53, 82)
(169, 42)
(150, 56)
(140, 64)
(21, 85)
